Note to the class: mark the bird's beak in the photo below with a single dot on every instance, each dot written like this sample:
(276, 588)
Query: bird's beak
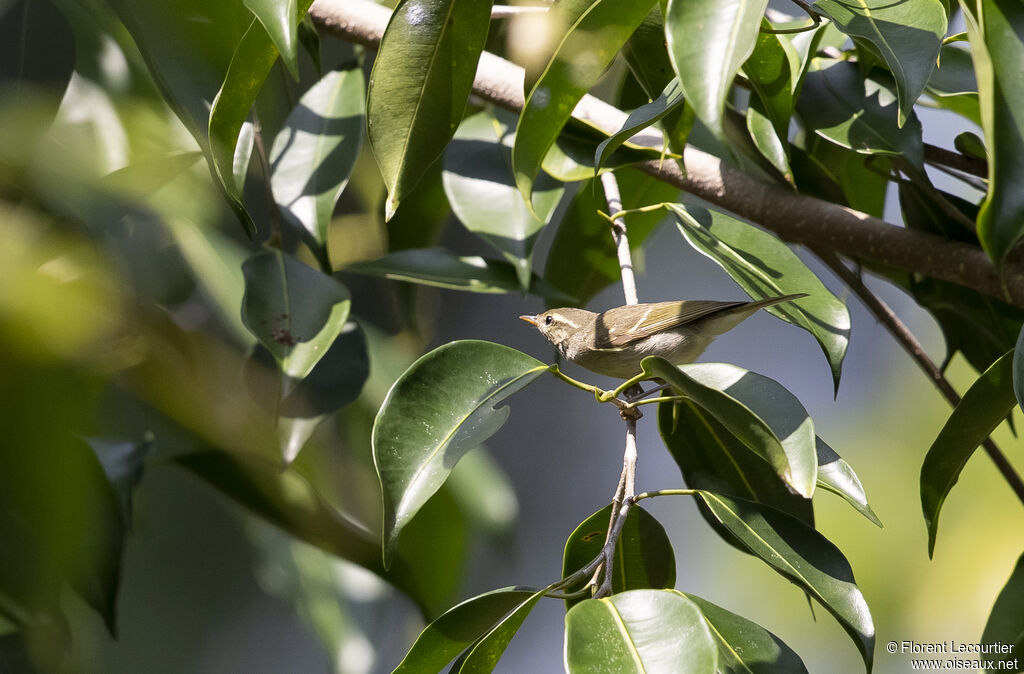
(532, 320)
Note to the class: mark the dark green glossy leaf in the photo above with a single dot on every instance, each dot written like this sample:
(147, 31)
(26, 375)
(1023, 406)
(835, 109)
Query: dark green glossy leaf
(643, 556)
(1006, 622)
(250, 65)
(582, 259)
(769, 70)
(595, 31)
(859, 114)
(766, 418)
(122, 461)
(646, 54)
(744, 647)
(441, 268)
(419, 85)
(907, 34)
(280, 20)
(997, 48)
(766, 139)
(294, 310)
(571, 157)
(480, 187)
(440, 408)
(668, 101)
(982, 409)
(313, 155)
(485, 653)
(639, 631)
(713, 458)
(460, 627)
(708, 41)
(802, 555)
(837, 476)
(765, 267)
(954, 75)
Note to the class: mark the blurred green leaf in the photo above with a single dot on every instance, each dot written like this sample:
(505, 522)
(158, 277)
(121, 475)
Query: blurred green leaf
(460, 627)
(837, 476)
(39, 49)
(639, 631)
(582, 259)
(440, 408)
(996, 32)
(858, 113)
(711, 457)
(802, 555)
(442, 268)
(485, 494)
(766, 417)
(907, 34)
(1006, 622)
(280, 20)
(122, 462)
(744, 647)
(983, 407)
(595, 30)
(421, 79)
(643, 556)
(765, 267)
(708, 41)
(480, 187)
(313, 155)
(294, 310)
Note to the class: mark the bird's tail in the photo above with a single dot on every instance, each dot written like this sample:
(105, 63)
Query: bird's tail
(760, 304)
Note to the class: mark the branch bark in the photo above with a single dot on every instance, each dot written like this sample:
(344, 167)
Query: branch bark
(794, 217)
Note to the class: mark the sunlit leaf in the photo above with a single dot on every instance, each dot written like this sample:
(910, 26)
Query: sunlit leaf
(765, 267)
(766, 418)
(421, 79)
(595, 30)
(837, 476)
(983, 407)
(280, 19)
(802, 555)
(769, 70)
(643, 557)
(482, 192)
(443, 406)
(314, 153)
(639, 631)
(708, 41)
(907, 34)
(669, 100)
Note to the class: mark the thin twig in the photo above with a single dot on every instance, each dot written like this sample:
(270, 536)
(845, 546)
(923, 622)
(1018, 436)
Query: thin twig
(614, 199)
(276, 225)
(940, 156)
(909, 342)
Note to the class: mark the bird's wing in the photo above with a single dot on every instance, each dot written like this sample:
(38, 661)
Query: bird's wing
(633, 323)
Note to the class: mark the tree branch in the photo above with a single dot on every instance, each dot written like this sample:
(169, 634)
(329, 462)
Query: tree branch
(793, 216)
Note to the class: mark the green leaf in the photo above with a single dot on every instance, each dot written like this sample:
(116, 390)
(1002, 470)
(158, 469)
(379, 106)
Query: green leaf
(595, 31)
(643, 556)
(769, 143)
(460, 627)
(421, 79)
(249, 68)
(480, 187)
(668, 101)
(313, 155)
(802, 555)
(769, 70)
(1006, 622)
(982, 409)
(859, 114)
(122, 462)
(287, 501)
(708, 41)
(744, 647)
(997, 48)
(837, 476)
(486, 495)
(711, 457)
(294, 310)
(485, 653)
(765, 267)
(441, 268)
(571, 158)
(280, 20)
(766, 418)
(647, 56)
(440, 408)
(582, 259)
(639, 631)
(907, 34)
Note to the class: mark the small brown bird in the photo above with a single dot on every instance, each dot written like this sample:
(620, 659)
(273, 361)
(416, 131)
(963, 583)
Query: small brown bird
(614, 342)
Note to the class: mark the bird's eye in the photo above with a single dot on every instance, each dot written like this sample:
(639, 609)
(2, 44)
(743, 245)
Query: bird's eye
(548, 320)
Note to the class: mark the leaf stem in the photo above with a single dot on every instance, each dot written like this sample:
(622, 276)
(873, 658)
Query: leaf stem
(664, 492)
